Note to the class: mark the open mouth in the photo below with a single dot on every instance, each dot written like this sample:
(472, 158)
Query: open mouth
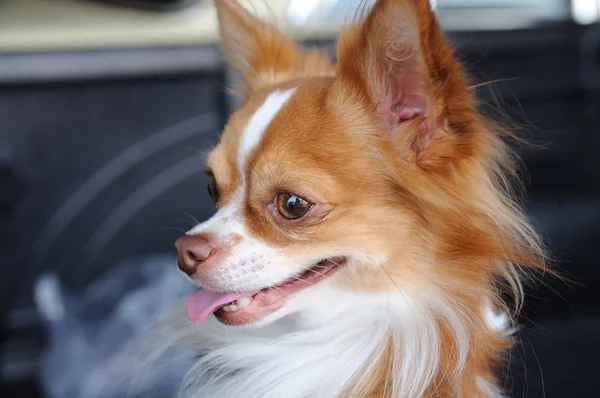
(244, 308)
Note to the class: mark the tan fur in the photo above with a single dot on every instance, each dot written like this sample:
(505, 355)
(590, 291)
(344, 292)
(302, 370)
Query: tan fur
(261, 54)
(429, 199)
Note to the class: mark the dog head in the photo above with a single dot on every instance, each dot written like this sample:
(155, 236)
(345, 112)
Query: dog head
(336, 183)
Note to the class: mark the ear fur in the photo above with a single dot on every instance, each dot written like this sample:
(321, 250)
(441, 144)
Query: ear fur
(261, 54)
(396, 58)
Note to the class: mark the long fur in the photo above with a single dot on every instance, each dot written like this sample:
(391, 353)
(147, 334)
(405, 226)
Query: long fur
(435, 239)
(287, 361)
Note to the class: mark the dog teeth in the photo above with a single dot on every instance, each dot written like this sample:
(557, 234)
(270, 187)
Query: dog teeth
(237, 304)
(230, 307)
(243, 301)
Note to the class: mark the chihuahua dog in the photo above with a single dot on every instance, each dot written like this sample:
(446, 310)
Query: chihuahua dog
(367, 230)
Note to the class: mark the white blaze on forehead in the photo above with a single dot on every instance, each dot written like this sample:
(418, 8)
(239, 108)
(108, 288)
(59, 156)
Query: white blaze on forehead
(251, 264)
(259, 122)
(230, 213)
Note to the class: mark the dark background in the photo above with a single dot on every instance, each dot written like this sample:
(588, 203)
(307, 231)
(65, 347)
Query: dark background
(97, 167)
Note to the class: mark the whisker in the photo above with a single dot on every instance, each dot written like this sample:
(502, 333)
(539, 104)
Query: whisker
(330, 260)
(398, 288)
(194, 219)
(318, 273)
(302, 280)
(280, 290)
(183, 231)
(261, 295)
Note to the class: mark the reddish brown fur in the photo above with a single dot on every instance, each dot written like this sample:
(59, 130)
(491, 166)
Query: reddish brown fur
(438, 186)
(267, 57)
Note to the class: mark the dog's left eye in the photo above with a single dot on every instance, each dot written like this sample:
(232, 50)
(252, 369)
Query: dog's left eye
(291, 206)
(213, 189)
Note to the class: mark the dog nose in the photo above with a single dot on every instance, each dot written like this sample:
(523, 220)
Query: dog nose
(192, 251)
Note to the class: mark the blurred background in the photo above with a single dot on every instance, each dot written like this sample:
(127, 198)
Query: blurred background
(107, 105)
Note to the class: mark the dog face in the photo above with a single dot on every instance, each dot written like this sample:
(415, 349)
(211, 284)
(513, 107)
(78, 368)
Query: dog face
(344, 181)
(302, 198)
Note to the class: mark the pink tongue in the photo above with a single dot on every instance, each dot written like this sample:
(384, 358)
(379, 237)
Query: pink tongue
(203, 303)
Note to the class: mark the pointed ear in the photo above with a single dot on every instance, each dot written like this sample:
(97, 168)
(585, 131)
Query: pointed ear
(261, 54)
(397, 59)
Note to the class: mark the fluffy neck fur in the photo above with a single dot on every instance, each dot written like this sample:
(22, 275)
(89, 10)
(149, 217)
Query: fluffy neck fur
(360, 345)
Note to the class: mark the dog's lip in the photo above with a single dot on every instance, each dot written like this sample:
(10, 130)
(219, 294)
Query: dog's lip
(272, 298)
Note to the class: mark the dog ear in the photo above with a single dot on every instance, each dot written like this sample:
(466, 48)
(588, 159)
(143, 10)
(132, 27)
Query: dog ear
(261, 54)
(396, 58)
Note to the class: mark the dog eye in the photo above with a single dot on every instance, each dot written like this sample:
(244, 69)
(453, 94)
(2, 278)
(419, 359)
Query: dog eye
(213, 189)
(291, 206)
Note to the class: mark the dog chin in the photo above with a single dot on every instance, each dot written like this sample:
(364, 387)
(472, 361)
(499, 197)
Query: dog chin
(313, 308)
